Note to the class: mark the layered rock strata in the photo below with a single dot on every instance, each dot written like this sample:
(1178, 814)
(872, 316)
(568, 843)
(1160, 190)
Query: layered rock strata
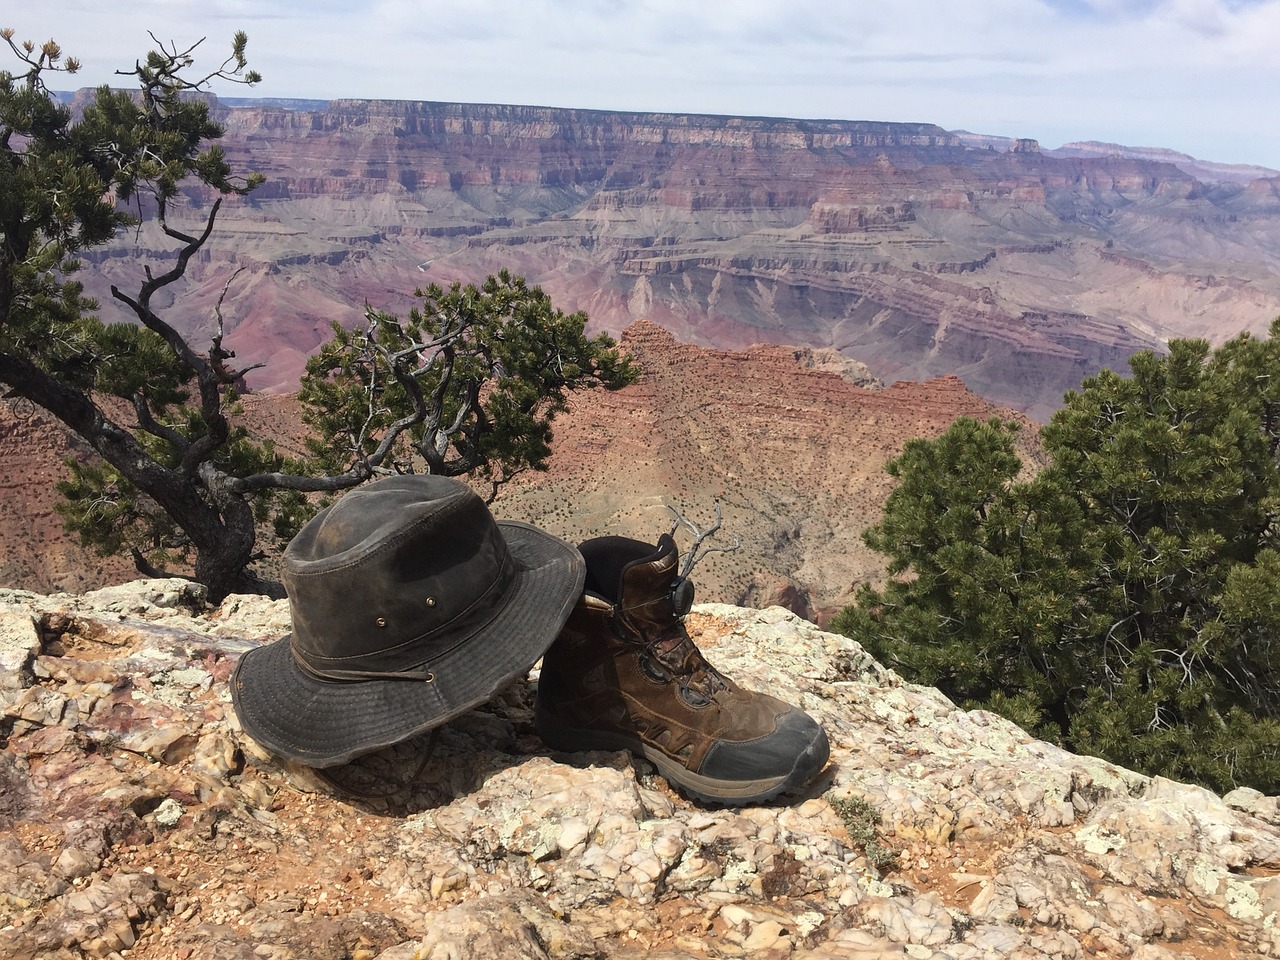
(895, 243)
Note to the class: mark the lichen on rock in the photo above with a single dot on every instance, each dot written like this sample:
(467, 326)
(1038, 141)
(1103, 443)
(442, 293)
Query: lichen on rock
(139, 820)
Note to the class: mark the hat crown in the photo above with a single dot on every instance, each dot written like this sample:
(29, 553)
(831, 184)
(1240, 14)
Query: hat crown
(394, 575)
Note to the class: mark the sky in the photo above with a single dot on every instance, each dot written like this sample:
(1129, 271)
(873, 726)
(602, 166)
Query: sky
(1198, 76)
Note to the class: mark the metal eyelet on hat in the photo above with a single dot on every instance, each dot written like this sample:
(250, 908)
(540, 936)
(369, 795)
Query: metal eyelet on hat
(381, 621)
(431, 601)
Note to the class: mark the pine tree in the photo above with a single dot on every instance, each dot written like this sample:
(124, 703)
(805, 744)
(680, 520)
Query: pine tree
(1176, 467)
(1123, 601)
(983, 572)
(475, 378)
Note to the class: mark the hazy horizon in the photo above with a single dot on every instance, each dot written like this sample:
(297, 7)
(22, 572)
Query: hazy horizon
(1195, 76)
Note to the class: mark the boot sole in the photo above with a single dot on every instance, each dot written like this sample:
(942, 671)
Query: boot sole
(560, 736)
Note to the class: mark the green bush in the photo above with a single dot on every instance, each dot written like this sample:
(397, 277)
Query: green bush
(1125, 602)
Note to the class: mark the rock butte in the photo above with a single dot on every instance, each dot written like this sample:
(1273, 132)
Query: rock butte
(139, 821)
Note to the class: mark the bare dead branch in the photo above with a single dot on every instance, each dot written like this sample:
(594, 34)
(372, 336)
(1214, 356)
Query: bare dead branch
(141, 306)
(694, 556)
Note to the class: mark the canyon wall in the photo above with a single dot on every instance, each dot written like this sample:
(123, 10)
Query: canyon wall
(979, 280)
(895, 243)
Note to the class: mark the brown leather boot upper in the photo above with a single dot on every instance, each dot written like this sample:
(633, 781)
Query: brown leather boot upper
(624, 674)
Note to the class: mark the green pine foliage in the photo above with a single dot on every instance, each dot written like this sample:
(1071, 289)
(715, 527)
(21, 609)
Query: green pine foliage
(984, 570)
(1124, 601)
(468, 384)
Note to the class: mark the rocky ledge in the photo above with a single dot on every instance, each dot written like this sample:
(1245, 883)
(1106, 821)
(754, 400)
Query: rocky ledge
(139, 821)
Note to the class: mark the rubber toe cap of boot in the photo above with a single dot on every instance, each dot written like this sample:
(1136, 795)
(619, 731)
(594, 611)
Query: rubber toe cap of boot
(785, 759)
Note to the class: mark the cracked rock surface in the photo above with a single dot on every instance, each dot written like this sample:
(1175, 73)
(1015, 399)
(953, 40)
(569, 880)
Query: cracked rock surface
(137, 820)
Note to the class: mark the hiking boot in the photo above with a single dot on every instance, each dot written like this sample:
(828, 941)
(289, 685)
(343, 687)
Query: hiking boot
(624, 674)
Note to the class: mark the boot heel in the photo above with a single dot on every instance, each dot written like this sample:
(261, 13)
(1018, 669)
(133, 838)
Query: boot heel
(558, 735)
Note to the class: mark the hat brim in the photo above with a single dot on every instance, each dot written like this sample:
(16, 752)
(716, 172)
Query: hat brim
(324, 723)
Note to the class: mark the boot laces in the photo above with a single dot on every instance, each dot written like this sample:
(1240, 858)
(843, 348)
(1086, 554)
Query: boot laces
(680, 656)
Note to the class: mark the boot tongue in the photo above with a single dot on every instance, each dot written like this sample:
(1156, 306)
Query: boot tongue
(677, 652)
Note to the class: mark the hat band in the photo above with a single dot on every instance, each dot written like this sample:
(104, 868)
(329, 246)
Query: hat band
(352, 676)
(461, 628)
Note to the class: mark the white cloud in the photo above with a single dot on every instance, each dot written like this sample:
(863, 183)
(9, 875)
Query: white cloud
(1196, 75)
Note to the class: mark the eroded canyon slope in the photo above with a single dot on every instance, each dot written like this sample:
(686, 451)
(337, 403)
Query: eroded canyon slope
(793, 451)
(792, 442)
(899, 244)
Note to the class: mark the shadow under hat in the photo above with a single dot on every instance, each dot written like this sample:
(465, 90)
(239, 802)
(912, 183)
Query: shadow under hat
(410, 606)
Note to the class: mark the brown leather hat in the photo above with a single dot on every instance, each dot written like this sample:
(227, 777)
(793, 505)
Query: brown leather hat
(410, 606)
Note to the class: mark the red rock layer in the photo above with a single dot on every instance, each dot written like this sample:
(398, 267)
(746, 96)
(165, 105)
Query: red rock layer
(894, 243)
(794, 452)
